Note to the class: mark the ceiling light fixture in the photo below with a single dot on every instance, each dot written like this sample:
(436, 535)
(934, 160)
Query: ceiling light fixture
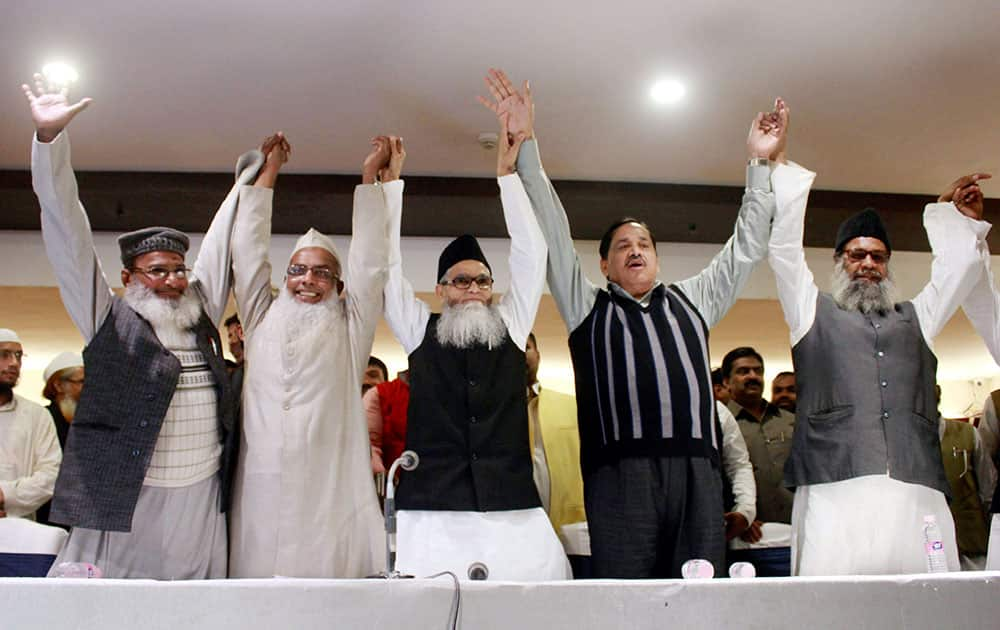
(60, 74)
(667, 91)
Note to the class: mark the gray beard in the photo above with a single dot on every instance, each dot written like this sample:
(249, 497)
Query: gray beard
(67, 407)
(173, 320)
(305, 323)
(474, 323)
(858, 294)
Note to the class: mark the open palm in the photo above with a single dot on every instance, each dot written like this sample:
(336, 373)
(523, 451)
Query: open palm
(50, 108)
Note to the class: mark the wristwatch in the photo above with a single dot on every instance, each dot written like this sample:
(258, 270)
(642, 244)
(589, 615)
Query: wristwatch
(759, 161)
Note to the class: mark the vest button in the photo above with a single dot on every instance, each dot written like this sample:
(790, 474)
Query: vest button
(475, 457)
(143, 424)
(135, 452)
(150, 396)
(885, 383)
(885, 414)
(473, 419)
(881, 353)
(878, 325)
(472, 382)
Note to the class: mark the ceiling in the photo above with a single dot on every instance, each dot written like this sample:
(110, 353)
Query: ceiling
(889, 96)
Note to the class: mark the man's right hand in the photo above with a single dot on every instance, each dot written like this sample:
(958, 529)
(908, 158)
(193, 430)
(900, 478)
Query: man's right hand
(50, 108)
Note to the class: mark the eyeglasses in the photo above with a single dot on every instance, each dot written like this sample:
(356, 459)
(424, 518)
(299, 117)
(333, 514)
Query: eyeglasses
(463, 282)
(879, 257)
(7, 355)
(320, 273)
(160, 273)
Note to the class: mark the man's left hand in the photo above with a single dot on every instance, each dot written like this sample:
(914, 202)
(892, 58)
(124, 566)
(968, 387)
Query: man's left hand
(966, 195)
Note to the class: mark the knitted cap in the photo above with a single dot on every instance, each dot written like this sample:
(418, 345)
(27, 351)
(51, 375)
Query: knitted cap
(151, 239)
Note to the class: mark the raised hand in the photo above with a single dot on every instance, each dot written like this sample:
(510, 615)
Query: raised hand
(508, 146)
(507, 100)
(276, 150)
(376, 160)
(397, 155)
(967, 195)
(50, 107)
(768, 135)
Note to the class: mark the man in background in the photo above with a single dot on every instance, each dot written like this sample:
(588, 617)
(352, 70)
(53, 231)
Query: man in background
(29, 451)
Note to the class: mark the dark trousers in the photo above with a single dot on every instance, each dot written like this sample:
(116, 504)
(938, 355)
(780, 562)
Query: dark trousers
(768, 562)
(649, 515)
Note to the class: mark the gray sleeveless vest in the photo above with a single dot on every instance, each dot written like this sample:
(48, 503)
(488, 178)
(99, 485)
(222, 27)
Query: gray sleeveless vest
(865, 386)
(131, 379)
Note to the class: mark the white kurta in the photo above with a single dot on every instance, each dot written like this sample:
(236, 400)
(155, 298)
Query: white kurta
(304, 503)
(29, 457)
(871, 524)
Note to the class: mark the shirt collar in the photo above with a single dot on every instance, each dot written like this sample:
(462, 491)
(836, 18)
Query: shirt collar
(642, 301)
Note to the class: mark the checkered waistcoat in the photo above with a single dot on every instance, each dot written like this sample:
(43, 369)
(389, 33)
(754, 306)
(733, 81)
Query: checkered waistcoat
(131, 379)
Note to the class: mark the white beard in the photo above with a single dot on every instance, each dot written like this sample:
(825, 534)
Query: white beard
(858, 294)
(67, 407)
(307, 324)
(173, 320)
(469, 324)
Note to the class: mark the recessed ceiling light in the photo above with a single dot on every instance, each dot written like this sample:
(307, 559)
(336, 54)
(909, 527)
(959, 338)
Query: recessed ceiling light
(667, 91)
(59, 73)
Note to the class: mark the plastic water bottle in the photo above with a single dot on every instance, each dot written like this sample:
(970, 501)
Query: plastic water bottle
(77, 570)
(697, 569)
(742, 570)
(933, 546)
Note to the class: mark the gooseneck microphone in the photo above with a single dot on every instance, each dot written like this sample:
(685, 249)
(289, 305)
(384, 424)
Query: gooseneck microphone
(408, 460)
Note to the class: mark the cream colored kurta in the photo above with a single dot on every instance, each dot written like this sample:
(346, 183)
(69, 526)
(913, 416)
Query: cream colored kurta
(304, 501)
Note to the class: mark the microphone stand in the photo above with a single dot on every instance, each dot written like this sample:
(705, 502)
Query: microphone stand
(408, 460)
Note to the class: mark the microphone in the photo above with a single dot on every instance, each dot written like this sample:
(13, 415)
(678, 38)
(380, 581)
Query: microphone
(478, 571)
(408, 460)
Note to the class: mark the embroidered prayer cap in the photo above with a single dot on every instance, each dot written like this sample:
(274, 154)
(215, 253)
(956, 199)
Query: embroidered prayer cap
(63, 361)
(8, 336)
(465, 247)
(315, 238)
(865, 223)
(151, 239)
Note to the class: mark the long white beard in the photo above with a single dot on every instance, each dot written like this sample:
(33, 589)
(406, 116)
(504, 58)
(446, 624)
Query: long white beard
(172, 320)
(466, 325)
(859, 294)
(306, 323)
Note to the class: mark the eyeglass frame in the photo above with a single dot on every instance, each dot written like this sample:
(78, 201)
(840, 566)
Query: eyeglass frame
(468, 281)
(858, 254)
(162, 273)
(313, 269)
